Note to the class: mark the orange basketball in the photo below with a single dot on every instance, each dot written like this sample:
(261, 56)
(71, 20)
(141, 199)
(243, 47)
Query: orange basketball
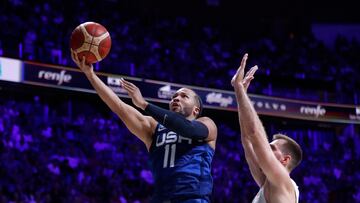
(91, 40)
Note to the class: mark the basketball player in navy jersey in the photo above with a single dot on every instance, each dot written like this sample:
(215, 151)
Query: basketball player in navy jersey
(181, 144)
(270, 163)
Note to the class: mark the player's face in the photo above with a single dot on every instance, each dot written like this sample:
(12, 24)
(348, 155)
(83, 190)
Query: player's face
(275, 147)
(183, 102)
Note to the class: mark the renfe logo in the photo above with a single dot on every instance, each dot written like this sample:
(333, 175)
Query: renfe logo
(315, 111)
(60, 77)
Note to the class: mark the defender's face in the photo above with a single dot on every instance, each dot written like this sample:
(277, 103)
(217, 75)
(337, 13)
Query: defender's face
(183, 102)
(275, 147)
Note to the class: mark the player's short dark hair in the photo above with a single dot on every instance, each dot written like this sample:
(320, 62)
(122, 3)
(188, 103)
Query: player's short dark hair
(290, 147)
(199, 103)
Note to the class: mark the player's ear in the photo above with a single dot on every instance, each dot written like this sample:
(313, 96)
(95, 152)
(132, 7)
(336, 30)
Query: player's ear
(286, 159)
(196, 111)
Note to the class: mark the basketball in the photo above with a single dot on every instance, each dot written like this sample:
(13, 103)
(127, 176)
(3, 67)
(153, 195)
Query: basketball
(91, 40)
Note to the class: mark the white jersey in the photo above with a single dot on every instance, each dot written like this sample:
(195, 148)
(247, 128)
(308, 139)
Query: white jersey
(260, 197)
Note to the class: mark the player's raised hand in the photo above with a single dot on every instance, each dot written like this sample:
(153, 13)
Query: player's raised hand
(134, 93)
(86, 68)
(238, 79)
(249, 76)
(239, 75)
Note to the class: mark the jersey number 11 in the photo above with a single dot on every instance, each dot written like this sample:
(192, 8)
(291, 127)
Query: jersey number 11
(172, 155)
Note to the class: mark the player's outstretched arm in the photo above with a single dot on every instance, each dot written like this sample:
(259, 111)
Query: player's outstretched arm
(202, 128)
(140, 125)
(255, 133)
(251, 159)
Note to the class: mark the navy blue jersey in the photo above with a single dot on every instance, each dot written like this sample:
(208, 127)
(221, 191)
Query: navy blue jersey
(181, 166)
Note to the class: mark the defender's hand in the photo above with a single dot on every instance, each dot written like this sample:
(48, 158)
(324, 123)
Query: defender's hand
(238, 79)
(249, 76)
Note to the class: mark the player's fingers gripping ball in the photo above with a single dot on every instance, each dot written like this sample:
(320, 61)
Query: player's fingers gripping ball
(91, 40)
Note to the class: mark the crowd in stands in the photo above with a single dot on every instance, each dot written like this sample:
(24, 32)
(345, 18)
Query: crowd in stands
(52, 153)
(293, 63)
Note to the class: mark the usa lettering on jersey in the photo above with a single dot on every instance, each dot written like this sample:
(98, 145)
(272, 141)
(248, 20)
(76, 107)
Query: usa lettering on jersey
(170, 139)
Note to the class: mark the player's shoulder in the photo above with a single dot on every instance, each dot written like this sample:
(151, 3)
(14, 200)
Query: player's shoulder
(288, 188)
(210, 124)
(285, 183)
(205, 118)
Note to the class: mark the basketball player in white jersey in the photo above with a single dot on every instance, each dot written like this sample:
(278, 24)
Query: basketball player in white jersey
(270, 164)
